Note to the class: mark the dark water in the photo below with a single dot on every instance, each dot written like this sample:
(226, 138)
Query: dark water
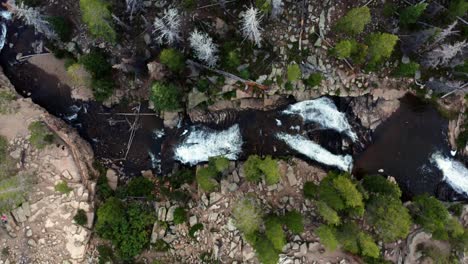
(402, 147)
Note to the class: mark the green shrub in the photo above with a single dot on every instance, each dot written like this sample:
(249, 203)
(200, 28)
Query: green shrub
(431, 214)
(263, 5)
(266, 252)
(203, 85)
(457, 8)
(294, 222)
(407, 69)
(367, 246)
(81, 218)
(14, 191)
(348, 191)
(194, 229)
(62, 26)
(310, 190)
(180, 216)
(95, 62)
(205, 179)
(377, 184)
(389, 9)
(166, 97)
(62, 187)
(127, 226)
(274, 232)
(102, 88)
(6, 97)
(233, 60)
(7, 163)
(181, 177)
(251, 169)
(328, 214)
(247, 216)
(388, 216)
(354, 21)
(105, 254)
(189, 4)
(294, 72)
(343, 49)
(173, 59)
(161, 246)
(139, 187)
(40, 135)
(97, 16)
(381, 46)
(327, 237)
(270, 169)
(103, 188)
(220, 163)
(411, 14)
(315, 79)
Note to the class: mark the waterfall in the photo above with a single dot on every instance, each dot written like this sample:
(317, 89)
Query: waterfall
(455, 173)
(316, 152)
(323, 112)
(5, 15)
(202, 143)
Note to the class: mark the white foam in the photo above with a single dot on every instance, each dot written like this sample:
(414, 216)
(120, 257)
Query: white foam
(3, 32)
(316, 152)
(455, 173)
(158, 133)
(323, 112)
(278, 122)
(203, 143)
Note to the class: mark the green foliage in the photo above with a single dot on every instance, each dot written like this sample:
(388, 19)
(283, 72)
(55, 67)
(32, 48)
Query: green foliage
(165, 96)
(435, 254)
(220, 163)
(294, 72)
(181, 177)
(138, 187)
(367, 246)
(203, 85)
(411, 14)
(160, 246)
(3, 149)
(388, 216)
(205, 178)
(251, 169)
(247, 216)
(255, 167)
(173, 59)
(270, 169)
(381, 46)
(377, 184)
(96, 63)
(314, 80)
(102, 88)
(103, 188)
(343, 49)
(348, 237)
(180, 216)
(431, 214)
(62, 187)
(294, 222)
(194, 229)
(97, 16)
(6, 97)
(457, 8)
(106, 254)
(407, 69)
(310, 190)
(348, 191)
(266, 252)
(7, 164)
(62, 26)
(328, 214)
(327, 237)
(40, 135)
(389, 9)
(354, 21)
(263, 5)
(127, 226)
(274, 232)
(81, 218)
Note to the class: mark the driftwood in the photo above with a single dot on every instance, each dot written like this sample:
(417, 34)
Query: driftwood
(249, 83)
(133, 129)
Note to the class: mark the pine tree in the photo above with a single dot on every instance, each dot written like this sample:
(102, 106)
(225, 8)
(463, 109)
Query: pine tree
(97, 16)
(251, 25)
(168, 27)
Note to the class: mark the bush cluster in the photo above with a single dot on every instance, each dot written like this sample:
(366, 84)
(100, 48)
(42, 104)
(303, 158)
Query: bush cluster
(354, 21)
(6, 97)
(173, 59)
(100, 69)
(62, 187)
(165, 96)
(97, 16)
(81, 218)
(206, 176)
(40, 135)
(62, 26)
(255, 168)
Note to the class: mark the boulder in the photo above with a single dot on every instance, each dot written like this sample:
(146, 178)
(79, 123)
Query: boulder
(112, 179)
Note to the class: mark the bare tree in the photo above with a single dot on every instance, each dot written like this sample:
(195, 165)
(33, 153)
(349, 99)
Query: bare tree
(447, 32)
(251, 25)
(133, 6)
(33, 17)
(444, 55)
(168, 27)
(205, 49)
(276, 8)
